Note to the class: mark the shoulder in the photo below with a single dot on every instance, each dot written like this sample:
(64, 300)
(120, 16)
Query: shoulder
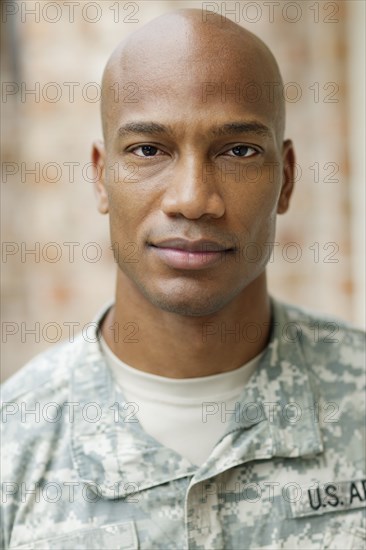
(51, 370)
(33, 397)
(332, 350)
(35, 414)
(320, 333)
(33, 424)
(43, 375)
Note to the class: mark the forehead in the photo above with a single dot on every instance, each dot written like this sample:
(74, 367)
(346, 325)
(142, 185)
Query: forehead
(194, 90)
(185, 73)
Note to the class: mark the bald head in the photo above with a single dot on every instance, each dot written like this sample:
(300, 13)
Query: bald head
(180, 44)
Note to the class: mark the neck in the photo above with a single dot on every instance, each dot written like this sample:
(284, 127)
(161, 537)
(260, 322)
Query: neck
(167, 344)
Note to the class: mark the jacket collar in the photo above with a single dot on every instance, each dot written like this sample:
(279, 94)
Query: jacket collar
(277, 407)
(112, 453)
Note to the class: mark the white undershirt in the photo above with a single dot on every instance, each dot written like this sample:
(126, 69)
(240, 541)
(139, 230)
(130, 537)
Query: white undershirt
(187, 415)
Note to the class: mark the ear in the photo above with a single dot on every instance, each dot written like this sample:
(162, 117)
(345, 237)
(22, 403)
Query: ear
(98, 160)
(288, 176)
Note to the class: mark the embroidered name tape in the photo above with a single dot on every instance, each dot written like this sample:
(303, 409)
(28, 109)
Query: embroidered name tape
(323, 498)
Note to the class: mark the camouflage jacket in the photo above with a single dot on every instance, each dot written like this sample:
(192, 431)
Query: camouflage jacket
(80, 472)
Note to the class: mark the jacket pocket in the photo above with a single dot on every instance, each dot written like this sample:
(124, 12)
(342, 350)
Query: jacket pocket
(344, 537)
(118, 536)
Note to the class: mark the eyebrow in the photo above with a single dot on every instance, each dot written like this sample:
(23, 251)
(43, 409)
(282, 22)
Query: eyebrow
(230, 128)
(148, 128)
(234, 128)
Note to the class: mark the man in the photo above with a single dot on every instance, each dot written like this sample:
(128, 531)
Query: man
(159, 430)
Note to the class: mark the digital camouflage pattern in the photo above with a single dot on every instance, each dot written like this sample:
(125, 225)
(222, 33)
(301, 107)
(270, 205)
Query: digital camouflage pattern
(79, 471)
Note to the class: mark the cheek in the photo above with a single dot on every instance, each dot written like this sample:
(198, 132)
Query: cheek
(125, 204)
(255, 208)
(129, 195)
(259, 186)
(121, 215)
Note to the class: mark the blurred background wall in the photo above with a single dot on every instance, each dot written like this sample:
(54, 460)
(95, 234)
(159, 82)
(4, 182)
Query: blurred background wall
(54, 279)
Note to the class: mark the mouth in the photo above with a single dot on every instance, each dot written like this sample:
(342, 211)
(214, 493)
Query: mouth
(190, 255)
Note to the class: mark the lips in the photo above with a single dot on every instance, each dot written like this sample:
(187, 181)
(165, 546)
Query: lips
(201, 245)
(184, 254)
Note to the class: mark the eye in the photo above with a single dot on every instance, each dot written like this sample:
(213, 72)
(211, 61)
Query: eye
(242, 151)
(146, 151)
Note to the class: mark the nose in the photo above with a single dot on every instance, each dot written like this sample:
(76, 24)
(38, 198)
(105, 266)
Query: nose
(192, 191)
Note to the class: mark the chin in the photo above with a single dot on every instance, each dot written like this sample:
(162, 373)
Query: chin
(186, 308)
(187, 301)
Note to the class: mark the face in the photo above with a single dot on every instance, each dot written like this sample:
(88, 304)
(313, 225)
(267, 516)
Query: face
(193, 177)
